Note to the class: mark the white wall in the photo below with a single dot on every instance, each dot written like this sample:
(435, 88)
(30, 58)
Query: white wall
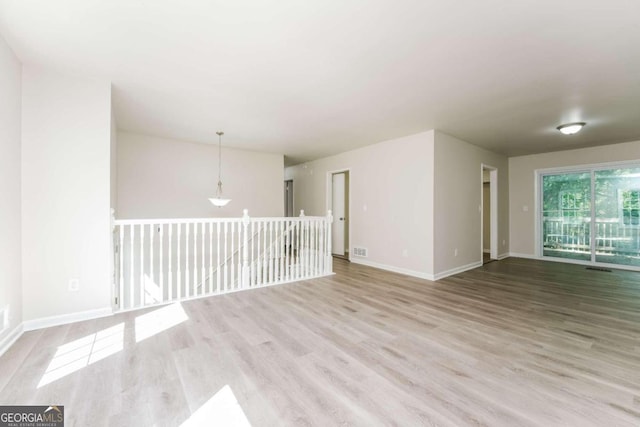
(394, 181)
(10, 187)
(66, 229)
(113, 160)
(522, 184)
(458, 192)
(165, 178)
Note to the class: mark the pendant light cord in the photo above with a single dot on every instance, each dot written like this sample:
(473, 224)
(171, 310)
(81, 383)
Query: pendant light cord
(219, 189)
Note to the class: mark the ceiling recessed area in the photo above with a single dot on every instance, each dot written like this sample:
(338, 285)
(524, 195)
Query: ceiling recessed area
(311, 79)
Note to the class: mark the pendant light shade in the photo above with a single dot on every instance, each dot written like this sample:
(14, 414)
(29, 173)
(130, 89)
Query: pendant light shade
(219, 201)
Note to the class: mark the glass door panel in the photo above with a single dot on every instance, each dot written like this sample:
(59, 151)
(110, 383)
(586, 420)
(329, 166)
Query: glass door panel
(566, 215)
(617, 226)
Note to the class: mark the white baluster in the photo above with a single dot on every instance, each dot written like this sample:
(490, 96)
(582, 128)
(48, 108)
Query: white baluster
(202, 263)
(252, 262)
(142, 299)
(268, 248)
(233, 256)
(305, 252)
(287, 229)
(239, 257)
(245, 249)
(194, 285)
(161, 272)
(218, 271)
(210, 281)
(187, 273)
(121, 229)
(298, 241)
(131, 266)
(179, 270)
(170, 275)
(265, 263)
(152, 233)
(314, 240)
(321, 247)
(319, 251)
(280, 249)
(309, 247)
(225, 258)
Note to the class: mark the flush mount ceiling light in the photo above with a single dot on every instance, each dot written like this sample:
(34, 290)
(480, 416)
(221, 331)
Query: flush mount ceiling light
(571, 128)
(218, 200)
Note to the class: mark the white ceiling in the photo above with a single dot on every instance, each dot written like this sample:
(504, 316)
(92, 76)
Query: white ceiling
(317, 77)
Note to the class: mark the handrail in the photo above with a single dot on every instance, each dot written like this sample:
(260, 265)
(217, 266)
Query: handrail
(161, 221)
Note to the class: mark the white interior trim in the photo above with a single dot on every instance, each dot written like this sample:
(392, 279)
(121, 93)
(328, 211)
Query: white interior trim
(10, 339)
(457, 270)
(587, 168)
(63, 319)
(329, 201)
(419, 274)
(520, 255)
(493, 209)
(407, 272)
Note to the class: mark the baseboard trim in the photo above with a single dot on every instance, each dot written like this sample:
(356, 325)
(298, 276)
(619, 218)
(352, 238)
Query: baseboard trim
(503, 256)
(578, 262)
(63, 319)
(457, 270)
(518, 255)
(486, 251)
(405, 271)
(11, 338)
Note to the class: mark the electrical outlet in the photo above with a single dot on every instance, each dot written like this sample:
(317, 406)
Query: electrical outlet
(455, 252)
(74, 285)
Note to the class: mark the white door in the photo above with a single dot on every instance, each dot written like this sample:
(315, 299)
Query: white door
(338, 207)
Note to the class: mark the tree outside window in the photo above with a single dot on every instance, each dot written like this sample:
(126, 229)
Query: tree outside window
(630, 207)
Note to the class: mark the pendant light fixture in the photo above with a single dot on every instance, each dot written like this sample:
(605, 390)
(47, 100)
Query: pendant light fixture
(218, 200)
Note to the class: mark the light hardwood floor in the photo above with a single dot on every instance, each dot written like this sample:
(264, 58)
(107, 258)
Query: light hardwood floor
(513, 343)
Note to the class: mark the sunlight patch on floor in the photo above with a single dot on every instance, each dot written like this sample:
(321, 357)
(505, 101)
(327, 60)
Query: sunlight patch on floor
(154, 322)
(222, 409)
(77, 354)
(152, 292)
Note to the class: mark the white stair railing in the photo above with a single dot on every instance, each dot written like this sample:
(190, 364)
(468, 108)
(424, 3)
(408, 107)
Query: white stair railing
(161, 260)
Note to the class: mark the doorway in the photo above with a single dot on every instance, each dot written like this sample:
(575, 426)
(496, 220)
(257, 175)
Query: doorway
(590, 215)
(489, 214)
(288, 198)
(339, 205)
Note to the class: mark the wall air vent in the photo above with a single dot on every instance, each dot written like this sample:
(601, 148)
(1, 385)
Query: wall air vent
(361, 252)
(599, 269)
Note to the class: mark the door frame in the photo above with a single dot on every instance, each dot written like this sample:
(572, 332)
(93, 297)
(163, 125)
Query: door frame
(293, 200)
(329, 203)
(493, 211)
(587, 167)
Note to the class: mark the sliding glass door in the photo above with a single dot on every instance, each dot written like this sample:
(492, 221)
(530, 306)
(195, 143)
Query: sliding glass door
(566, 215)
(617, 226)
(592, 215)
